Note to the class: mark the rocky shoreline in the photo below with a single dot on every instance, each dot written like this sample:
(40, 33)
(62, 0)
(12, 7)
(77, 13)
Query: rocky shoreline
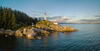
(42, 28)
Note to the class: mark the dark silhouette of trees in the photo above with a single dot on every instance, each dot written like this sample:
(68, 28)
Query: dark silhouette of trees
(7, 18)
(13, 19)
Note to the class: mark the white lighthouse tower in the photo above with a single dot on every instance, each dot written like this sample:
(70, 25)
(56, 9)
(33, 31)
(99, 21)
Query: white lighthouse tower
(45, 16)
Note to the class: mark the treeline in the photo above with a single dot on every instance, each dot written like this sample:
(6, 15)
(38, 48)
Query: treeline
(13, 19)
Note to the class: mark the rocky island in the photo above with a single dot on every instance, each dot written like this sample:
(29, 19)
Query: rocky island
(15, 23)
(42, 28)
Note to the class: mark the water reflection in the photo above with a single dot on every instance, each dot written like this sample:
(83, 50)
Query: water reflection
(86, 39)
(7, 44)
(54, 35)
(45, 41)
(27, 43)
(68, 33)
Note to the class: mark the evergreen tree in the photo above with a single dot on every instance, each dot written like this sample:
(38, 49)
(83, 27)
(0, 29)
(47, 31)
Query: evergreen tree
(13, 19)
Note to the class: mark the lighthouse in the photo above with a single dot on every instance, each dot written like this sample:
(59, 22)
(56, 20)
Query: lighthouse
(45, 16)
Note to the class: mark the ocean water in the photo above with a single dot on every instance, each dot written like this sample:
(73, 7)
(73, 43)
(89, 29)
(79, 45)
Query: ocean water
(86, 39)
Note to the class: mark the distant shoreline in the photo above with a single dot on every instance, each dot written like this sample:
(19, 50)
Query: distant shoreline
(79, 23)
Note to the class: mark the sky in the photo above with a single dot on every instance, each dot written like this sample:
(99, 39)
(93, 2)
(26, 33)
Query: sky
(83, 10)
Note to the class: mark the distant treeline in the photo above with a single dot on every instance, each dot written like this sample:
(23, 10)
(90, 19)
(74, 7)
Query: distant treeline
(13, 19)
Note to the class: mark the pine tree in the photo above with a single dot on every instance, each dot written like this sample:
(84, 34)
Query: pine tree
(13, 19)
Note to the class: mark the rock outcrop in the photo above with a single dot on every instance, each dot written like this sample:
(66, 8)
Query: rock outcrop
(30, 32)
(42, 28)
(47, 25)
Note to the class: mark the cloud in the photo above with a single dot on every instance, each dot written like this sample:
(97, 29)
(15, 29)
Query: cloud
(97, 16)
(72, 21)
(66, 19)
(90, 20)
(58, 18)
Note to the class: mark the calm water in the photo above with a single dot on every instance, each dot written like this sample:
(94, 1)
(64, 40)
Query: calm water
(86, 39)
